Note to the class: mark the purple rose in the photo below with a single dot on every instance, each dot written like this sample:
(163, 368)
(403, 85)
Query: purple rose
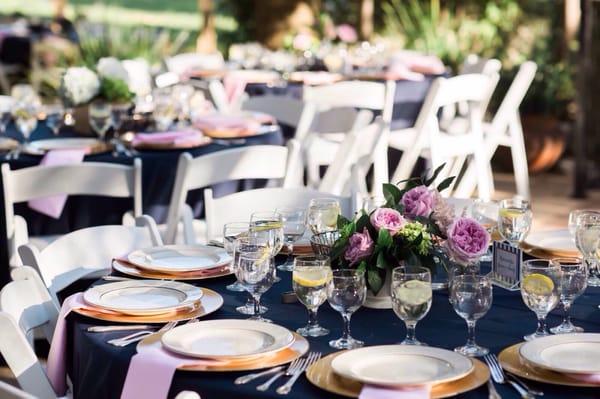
(346, 33)
(443, 213)
(418, 201)
(360, 246)
(467, 240)
(388, 219)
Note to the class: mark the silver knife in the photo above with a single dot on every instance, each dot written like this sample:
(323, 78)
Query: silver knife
(119, 328)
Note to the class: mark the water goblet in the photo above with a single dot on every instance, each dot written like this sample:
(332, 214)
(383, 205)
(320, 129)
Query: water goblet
(322, 214)
(540, 290)
(471, 299)
(346, 293)
(232, 231)
(514, 220)
(310, 277)
(587, 238)
(269, 223)
(165, 110)
(25, 117)
(486, 213)
(411, 298)
(294, 224)
(573, 283)
(100, 118)
(55, 114)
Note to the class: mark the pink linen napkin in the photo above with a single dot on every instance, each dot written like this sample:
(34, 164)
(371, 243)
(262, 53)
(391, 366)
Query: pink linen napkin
(228, 122)
(586, 378)
(53, 206)
(319, 78)
(234, 87)
(377, 392)
(421, 63)
(57, 364)
(399, 71)
(175, 138)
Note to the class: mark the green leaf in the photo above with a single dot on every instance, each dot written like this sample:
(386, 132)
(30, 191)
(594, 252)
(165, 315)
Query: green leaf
(384, 240)
(446, 183)
(375, 281)
(435, 175)
(391, 193)
(362, 266)
(362, 222)
(342, 221)
(381, 261)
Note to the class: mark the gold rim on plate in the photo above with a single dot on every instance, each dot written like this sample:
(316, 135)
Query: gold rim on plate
(547, 254)
(322, 375)
(512, 362)
(298, 348)
(211, 302)
(131, 270)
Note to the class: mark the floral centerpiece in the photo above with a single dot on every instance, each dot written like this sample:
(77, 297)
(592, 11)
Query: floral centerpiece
(416, 226)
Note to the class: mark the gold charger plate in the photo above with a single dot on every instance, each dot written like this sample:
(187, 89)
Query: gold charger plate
(201, 141)
(546, 254)
(131, 270)
(211, 301)
(322, 375)
(284, 356)
(512, 362)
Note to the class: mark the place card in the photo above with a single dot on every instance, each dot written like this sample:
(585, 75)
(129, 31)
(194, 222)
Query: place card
(506, 266)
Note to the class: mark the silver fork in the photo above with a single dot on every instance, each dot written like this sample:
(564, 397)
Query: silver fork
(499, 377)
(312, 358)
(250, 377)
(493, 394)
(519, 381)
(292, 368)
(138, 336)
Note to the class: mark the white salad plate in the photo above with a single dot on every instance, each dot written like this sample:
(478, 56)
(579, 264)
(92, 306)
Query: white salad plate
(227, 339)
(401, 365)
(179, 258)
(62, 144)
(555, 241)
(143, 297)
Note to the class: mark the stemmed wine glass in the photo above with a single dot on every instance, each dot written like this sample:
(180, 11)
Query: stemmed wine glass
(411, 298)
(271, 224)
(346, 293)
(164, 110)
(540, 290)
(310, 277)
(25, 117)
(118, 116)
(323, 214)
(573, 283)
(54, 117)
(254, 270)
(100, 118)
(294, 224)
(486, 213)
(587, 238)
(231, 232)
(471, 298)
(514, 220)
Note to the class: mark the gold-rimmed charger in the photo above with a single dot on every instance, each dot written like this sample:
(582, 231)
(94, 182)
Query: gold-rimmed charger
(512, 362)
(211, 302)
(298, 348)
(131, 270)
(545, 254)
(322, 375)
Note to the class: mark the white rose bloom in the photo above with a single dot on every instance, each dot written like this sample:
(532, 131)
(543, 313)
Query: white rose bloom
(110, 67)
(80, 85)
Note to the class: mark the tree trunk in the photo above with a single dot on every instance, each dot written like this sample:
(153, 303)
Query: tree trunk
(207, 40)
(367, 8)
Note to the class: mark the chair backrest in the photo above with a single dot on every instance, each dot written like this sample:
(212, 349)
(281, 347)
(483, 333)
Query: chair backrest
(185, 62)
(515, 94)
(250, 162)
(356, 144)
(88, 250)
(25, 304)
(287, 110)
(341, 120)
(7, 391)
(486, 66)
(377, 96)
(240, 206)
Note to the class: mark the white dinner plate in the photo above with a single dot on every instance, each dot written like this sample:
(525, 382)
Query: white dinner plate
(401, 365)
(557, 241)
(227, 339)
(179, 258)
(143, 297)
(565, 353)
(62, 144)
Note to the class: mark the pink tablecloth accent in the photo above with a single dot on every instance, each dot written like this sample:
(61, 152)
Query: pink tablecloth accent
(234, 88)
(377, 392)
(226, 122)
(399, 71)
(421, 63)
(174, 138)
(54, 205)
(586, 378)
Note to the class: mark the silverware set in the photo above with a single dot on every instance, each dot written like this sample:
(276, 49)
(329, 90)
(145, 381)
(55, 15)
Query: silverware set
(293, 371)
(500, 377)
(146, 330)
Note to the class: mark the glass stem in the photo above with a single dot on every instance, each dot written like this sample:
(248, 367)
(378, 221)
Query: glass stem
(290, 253)
(567, 312)
(256, 304)
(471, 332)
(411, 334)
(541, 325)
(312, 318)
(346, 332)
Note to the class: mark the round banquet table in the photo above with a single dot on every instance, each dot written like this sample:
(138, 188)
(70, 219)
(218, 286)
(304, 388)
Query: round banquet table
(98, 369)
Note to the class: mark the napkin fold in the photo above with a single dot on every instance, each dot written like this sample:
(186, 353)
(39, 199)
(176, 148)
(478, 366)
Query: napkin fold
(234, 88)
(53, 206)
(378, 392)
(174, 138)
(226, 122)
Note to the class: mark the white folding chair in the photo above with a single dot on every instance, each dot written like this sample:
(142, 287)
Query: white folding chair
(505, 130)
(7, 391)
(287, 110)
(281, 164)
(428, 140)
(88, 178)
(486, 66)
(87, 252)
(240, 206)
(185, 62)
(375, 96)
(24, 307)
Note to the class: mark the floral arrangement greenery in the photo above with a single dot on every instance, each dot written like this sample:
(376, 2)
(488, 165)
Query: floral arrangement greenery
(416, 226)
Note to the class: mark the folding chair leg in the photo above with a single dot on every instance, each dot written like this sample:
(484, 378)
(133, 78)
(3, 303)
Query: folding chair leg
(406, 165)
(482, 170)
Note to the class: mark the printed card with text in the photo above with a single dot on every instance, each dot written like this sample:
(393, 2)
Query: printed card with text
(506, 266)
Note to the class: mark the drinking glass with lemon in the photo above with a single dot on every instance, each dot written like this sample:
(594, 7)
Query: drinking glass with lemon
(310, 277)
(514, 220)
(411, 298)
(322, 215)
(540, 290)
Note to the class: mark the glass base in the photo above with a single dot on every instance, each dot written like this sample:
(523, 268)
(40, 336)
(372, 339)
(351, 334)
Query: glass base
(343, 343)
(248, 309)
(288, 266)
(566, 328)
(472, 350)
(260, 318)
(535, 335)
(413, 342)
(312, 331)
(593, 281)
(236, 287)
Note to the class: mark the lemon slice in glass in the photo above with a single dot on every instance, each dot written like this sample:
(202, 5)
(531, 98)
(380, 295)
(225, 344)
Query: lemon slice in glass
(312, 277)
(329, 217)
(511, 212)
(414, 292)
(267, 226)
(537, 284)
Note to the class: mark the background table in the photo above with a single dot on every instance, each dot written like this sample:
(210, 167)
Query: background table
(98, 370)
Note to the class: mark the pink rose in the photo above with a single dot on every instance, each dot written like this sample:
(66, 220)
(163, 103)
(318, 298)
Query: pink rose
(467, 240)
(388, 219)
(418, 201)
(346, 33)
(360, 246)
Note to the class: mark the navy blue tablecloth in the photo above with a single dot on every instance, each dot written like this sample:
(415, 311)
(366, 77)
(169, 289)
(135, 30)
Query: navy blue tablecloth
(98, 370)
